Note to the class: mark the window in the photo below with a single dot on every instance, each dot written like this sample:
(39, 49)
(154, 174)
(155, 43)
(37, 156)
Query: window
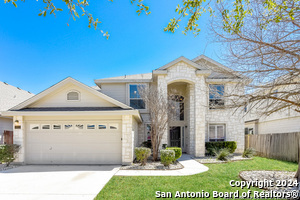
(46, 126)
(101, 126)
(68, 126)
(113, 126)
(216, 133)
(34, 127)
(216, 96)
(135, 99)
(177, 108)
(73, 96)
(90, 126)
(79, 126)
(56, 126)
(251, 131)
(246, 131)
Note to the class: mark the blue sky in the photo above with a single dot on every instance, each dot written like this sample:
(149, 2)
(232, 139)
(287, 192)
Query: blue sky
(37, 52)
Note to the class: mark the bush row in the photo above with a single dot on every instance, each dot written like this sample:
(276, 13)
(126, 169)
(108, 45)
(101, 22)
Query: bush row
(210, 147)
(167, 156)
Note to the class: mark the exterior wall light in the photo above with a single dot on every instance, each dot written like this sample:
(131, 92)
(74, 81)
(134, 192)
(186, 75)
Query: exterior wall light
(17, 124)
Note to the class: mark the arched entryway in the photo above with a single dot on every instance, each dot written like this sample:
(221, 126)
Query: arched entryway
(180, 122)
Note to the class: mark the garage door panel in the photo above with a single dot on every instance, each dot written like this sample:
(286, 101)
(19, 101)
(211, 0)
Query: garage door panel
(73, 147)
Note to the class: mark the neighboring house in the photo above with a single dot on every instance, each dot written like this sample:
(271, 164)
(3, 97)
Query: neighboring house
(71, 123)
(284, 121)
(9, 96)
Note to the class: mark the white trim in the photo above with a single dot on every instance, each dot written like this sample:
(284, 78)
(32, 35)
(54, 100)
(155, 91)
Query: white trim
(135, 113)
(123, 81)
(64, 82)
(217, 124)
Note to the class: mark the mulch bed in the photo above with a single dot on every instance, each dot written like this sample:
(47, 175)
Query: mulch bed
(151, 165)
(213, 160)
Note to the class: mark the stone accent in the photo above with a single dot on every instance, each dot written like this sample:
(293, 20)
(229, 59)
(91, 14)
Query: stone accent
(127, 139)
(233, 120)
(200, 112)
(198, 116)
(19, 138)
(163, 89)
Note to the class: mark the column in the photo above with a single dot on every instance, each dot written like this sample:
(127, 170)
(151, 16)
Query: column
(200, 113)
(19, 138)
(127, 140)
(162, 87)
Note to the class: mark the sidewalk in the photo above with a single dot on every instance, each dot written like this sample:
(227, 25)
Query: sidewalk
(191, 167)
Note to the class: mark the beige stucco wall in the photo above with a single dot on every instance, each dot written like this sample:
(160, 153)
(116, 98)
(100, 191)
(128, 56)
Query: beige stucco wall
(59, 99)
(115, 90)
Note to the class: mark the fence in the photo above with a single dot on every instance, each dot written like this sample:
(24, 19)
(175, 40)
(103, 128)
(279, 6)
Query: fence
(281, 146)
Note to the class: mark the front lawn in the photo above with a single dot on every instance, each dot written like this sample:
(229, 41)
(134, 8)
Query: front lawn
(215, 179)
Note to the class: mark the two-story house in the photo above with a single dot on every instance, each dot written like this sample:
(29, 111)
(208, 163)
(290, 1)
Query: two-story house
(71, 123)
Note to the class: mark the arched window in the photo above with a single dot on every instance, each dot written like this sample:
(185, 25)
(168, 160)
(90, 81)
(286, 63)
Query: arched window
(73, 96)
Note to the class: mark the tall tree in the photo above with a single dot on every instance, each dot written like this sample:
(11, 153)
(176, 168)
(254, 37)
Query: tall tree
(162, 109)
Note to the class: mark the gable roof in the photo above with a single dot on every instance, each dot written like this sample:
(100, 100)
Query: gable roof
(182, 59)
(223, 68)
(62, 83)
(11, 96)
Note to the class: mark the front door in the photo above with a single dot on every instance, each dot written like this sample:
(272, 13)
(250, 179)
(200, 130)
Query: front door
(175, 139)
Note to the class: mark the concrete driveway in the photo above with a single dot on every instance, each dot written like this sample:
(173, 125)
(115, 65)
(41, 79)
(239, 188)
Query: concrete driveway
(56, 182)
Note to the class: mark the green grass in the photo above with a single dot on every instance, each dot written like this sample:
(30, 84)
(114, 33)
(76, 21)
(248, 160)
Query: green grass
(215, 179)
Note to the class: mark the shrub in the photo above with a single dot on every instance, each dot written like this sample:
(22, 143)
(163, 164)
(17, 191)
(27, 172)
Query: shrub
(142, 154)
(177, 150)
(167, 157)
(222, 154)
(8, 153)
(248, 153)
(211, 146)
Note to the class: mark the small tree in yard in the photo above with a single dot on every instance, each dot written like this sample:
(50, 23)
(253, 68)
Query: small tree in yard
(160, 108)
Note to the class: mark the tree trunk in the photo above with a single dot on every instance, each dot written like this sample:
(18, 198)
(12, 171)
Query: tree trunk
(155, 155)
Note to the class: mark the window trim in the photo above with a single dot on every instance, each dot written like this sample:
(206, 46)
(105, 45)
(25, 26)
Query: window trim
(79, 96)
(217, 124)
(128, 94)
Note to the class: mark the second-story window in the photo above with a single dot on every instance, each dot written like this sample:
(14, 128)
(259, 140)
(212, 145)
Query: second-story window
(216, 96)
(135, 99)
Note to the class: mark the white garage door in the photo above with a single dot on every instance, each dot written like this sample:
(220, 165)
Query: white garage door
(73, 143)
